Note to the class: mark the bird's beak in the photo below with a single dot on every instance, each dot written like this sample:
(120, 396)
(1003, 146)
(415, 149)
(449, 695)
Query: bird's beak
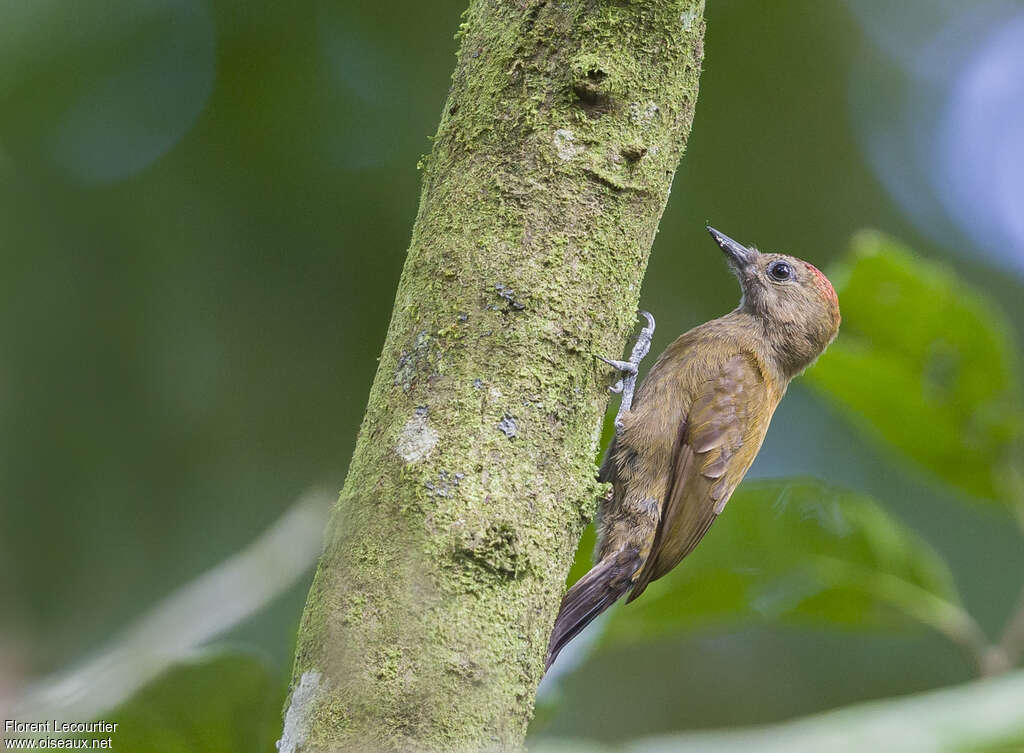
(740, 257)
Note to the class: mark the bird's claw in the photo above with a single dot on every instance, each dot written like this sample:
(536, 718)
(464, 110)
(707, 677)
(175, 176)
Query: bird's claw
(626, 367)
(627, 384)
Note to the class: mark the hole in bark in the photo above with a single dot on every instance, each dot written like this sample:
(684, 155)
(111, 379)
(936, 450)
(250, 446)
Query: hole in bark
(592, 100)
(633, 152)
(589, 90)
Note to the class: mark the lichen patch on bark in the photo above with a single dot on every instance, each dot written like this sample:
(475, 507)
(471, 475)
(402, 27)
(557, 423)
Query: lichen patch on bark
(565, 144)
(417, 439)
(296, 718)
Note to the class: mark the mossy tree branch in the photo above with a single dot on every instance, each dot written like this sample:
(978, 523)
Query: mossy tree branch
(473, 474)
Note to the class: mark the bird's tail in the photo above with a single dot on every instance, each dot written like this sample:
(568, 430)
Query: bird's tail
(592, 594)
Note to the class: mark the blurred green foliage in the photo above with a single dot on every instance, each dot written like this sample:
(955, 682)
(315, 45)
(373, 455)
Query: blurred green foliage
(1012, 745)
(204, 207)
(791, 551)
(796, 550)
(926, 363)
(221, 702)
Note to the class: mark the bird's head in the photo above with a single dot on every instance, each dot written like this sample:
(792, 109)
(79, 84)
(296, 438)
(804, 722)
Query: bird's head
(794, 301)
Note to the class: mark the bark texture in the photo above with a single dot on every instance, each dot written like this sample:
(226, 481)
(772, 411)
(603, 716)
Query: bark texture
(473, 473)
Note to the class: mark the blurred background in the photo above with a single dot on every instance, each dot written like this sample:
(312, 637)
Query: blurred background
(204, 210)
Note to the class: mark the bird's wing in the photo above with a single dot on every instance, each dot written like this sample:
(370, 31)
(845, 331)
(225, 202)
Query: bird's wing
(716, 445)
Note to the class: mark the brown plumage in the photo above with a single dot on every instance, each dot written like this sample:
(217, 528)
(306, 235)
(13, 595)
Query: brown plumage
(696, 425)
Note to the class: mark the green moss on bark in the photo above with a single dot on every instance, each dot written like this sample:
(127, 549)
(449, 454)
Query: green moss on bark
(473, 476)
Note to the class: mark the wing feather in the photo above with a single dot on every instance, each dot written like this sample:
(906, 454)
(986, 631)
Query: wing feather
(716, 445)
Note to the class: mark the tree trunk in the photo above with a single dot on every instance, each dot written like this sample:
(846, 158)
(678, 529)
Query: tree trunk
(473, 473)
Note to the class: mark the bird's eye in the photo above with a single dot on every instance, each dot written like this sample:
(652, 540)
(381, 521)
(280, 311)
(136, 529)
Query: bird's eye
(780, 271)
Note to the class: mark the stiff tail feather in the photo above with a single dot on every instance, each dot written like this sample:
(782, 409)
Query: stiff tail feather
(592, 594)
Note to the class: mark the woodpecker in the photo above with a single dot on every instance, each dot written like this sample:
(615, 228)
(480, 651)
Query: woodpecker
(695, 425)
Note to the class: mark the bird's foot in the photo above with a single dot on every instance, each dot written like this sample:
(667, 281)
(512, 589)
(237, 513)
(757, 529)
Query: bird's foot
(627, 384)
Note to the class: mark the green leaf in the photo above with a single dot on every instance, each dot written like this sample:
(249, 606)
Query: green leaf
(222, 703)
(927, 364)
(801, 551)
